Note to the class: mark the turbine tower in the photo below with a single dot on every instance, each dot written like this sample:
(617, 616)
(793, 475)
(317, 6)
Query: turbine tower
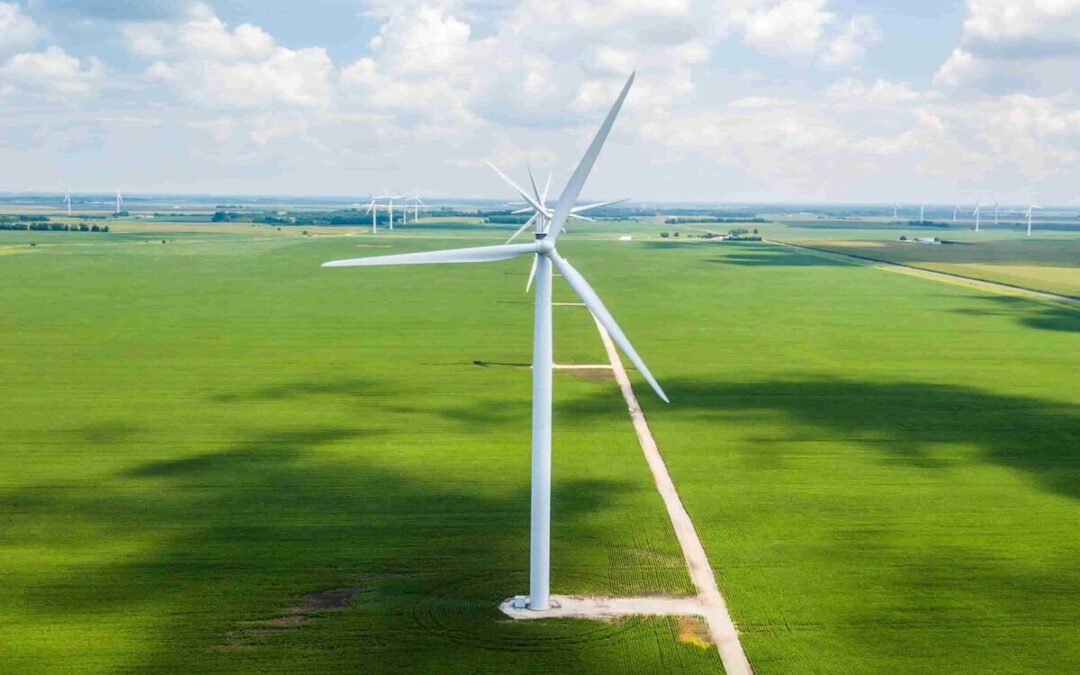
(544, 252)
(976, 212)
(373, 208)
(67, 201)
(1030, 210)
(895, 208)
(119, 200)
(956, 210)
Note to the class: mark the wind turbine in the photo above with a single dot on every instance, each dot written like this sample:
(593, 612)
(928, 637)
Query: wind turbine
(542, 214)
(995, 213)
(373, 208)
(119, 200)
(1029, 213)
(547, 256)
(956, 210)
(976, 212)
(417, 203)
(67, 200)
(895, 208)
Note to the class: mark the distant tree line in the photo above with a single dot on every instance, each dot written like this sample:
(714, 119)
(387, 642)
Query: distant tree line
(37, 226)
(678, 220)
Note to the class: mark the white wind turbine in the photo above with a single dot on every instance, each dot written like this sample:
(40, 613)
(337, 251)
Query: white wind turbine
(541, 212)
(546, 255)
(67, 201)
(416, 204)
(922, 213)
(895, 208)
(976, 212)
(373, 208)
(1029, 213)
(956, 210)
(119, 200)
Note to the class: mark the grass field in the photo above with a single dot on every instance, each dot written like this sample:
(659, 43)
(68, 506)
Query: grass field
(1048, 262)
(884, 470)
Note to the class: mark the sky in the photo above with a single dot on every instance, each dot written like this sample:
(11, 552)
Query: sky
(859, 101)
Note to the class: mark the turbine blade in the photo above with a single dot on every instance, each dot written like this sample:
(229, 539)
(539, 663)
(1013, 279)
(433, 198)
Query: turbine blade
(527, 209)
(596, 306)
(532, 276)
(580, 217)
(532, 180)
(521, 229)
(573, 187)
(524, 195)
(456, 255)
(547, 189)
(597, 205)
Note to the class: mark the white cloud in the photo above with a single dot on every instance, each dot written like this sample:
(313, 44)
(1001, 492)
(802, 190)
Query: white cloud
(797, 29)
(16, 29)
(1016, 45)
(206, 62)
(850, 45)
(51, 72)
(784, 27)
(1052, 23)
(852, 93)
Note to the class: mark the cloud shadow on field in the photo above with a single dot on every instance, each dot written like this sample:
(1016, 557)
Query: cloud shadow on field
(904, 420)
(1030, 313)
(774, 256)
(244, 532)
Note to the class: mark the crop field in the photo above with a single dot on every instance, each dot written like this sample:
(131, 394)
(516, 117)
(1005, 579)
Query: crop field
(1050, 262)
(219, 457)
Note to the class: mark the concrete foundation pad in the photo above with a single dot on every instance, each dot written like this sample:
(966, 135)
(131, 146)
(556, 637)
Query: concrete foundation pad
(604, 609)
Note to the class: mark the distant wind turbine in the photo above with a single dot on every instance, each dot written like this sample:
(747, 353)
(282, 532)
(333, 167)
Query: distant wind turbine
(922, 213)
(995, 213)
(895, 208)
(976, 212)
(67, 200)
(956, 210)
(119, 200)
(544, 251)
(1029, 213)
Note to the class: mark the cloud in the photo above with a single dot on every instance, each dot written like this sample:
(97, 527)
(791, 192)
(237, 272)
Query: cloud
(852, 93)
(206, 62)
(850, 45)
(16, 29)
(52, 72)
(1013, 45)
(797, 29)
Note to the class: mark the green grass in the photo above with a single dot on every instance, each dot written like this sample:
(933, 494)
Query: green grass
(1045, 263)
(883, 469)
(198, 434)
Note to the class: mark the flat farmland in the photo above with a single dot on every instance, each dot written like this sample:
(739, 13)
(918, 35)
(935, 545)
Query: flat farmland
(218, 456)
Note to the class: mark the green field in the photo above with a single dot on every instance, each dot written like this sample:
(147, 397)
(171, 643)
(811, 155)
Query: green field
(1048, 262)
(199, 435)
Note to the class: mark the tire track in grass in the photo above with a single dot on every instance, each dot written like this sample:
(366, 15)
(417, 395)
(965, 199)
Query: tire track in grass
(721, 627)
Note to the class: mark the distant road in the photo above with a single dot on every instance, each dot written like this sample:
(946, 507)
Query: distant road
(948, 277)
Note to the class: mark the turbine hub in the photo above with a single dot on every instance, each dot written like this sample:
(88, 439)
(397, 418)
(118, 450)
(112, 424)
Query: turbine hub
(542, 244)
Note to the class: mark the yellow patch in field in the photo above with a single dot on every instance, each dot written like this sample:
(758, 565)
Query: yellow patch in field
(1042, 277)
(693, 630)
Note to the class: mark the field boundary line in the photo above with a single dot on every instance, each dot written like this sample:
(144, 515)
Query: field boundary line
(715, 611)
(999, 287)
